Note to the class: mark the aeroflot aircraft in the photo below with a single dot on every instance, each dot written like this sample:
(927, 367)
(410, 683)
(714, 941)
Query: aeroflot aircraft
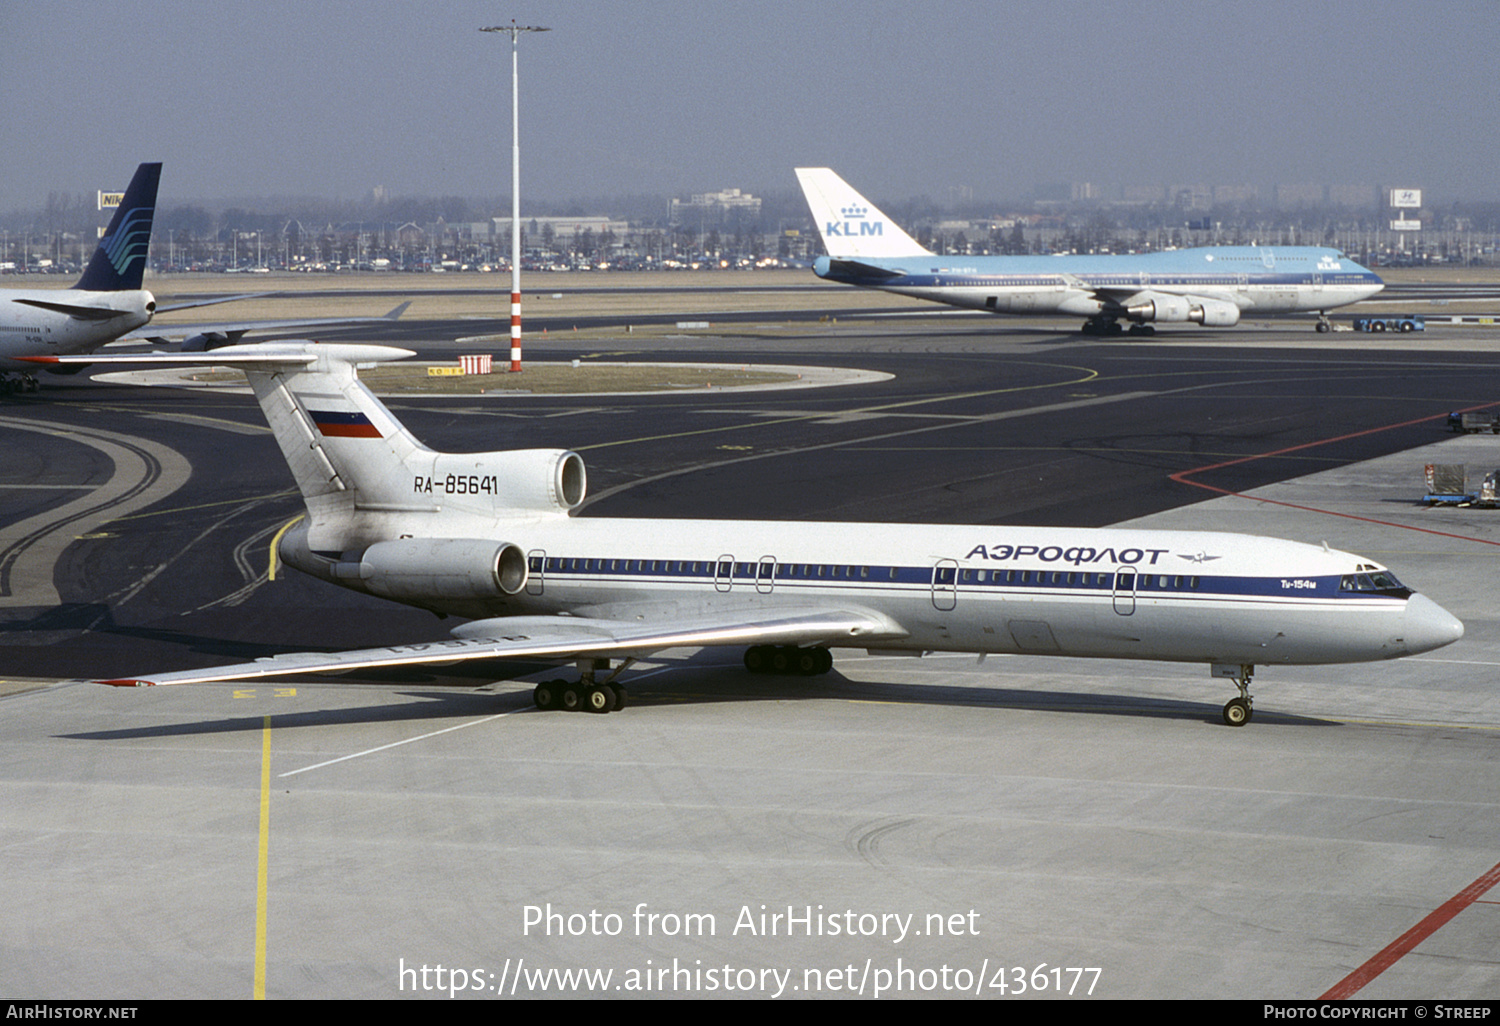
(1212, 286)
(490, 535)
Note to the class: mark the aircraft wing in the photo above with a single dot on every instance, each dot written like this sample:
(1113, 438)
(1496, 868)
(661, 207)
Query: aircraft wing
(202, 337)
(562, 638)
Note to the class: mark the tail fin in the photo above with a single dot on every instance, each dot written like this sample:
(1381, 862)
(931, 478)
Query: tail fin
(850, 225)
(120, 261)
(363, 475)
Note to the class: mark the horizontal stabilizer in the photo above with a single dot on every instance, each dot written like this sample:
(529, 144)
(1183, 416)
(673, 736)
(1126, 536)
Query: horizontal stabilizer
(855, 269)
(83, 313)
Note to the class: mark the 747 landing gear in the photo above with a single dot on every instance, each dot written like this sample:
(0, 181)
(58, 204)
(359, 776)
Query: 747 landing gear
(1237, 711)
(1324, 324)
(1102, 325)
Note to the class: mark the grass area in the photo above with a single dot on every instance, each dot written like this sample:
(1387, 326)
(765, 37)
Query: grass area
(542, 378)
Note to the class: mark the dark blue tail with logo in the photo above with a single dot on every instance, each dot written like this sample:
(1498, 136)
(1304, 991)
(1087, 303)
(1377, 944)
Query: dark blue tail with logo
(120, 260)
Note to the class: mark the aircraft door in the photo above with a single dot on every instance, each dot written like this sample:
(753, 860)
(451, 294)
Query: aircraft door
(724, 573)
(945, 584)
(536, 562)
(1125, 581)
(765, 574)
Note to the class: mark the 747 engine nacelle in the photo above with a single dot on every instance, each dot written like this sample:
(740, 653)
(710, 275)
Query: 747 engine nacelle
(1170, 309)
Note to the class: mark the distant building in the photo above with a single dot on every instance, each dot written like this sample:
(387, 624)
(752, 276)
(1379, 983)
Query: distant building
(1192, 197)
(1299, 195)
(1235, 195)
(1355, 197)
(717, 207)
(1144, 194)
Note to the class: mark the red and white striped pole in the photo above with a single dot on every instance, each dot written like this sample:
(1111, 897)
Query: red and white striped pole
(515, 318)
(515, 188)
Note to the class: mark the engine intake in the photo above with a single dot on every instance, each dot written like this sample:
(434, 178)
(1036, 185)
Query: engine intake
(418, 569)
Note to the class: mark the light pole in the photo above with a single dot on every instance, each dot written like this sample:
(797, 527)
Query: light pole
(515, 187)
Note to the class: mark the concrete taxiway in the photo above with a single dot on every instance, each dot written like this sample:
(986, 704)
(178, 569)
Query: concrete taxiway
(927, 827)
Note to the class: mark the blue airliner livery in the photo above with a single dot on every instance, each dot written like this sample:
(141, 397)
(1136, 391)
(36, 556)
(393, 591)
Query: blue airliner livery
(1212, 286)
(493, 536)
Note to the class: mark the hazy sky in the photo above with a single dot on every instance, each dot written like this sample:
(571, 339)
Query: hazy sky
(330, 98)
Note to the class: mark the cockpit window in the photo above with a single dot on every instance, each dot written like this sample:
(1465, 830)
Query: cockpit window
(1380, 582)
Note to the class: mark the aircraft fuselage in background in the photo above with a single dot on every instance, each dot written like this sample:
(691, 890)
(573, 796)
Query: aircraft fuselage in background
(106, 303)
(1211, 286)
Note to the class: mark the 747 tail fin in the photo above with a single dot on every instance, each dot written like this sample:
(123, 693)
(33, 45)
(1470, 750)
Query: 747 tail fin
(850, 225)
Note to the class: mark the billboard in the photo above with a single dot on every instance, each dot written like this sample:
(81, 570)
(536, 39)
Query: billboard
(1406, 198)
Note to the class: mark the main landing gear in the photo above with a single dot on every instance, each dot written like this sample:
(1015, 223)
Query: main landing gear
(1238, 711)
(15, 384)
(1105, 325)
(788, 660)
(586, 694)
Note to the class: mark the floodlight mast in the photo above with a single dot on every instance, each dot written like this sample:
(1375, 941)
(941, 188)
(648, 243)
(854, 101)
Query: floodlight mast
(515, 187)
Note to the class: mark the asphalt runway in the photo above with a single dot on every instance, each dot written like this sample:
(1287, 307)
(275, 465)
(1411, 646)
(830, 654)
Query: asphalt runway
(1019, 819)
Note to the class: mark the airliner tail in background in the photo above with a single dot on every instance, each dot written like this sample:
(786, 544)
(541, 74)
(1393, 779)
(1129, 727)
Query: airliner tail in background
(850, 225)
(119, 263)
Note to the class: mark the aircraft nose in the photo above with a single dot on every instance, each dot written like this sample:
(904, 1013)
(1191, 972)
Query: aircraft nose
(1429, 626)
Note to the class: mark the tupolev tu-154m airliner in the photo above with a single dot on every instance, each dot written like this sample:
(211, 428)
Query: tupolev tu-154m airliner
(1212, 286)
(492, 536)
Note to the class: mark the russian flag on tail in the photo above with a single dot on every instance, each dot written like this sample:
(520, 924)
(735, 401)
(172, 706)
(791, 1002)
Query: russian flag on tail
(342, 424)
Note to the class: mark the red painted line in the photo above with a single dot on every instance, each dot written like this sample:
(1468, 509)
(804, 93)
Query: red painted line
(1403, 944)
(1182, 476)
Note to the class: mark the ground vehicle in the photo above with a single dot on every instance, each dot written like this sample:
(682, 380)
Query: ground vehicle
(1398, 322)
(1473, 423)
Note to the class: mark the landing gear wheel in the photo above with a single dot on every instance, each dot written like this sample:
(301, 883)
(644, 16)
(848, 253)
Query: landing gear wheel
(825, 660)
(599, 698)
(805, 661)
(620, 696)
(546, 695)
(1237, 712)
(570, 698)
(758, 658)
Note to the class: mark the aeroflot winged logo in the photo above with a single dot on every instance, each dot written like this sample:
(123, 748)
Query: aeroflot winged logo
(344, 424)
(854, 223)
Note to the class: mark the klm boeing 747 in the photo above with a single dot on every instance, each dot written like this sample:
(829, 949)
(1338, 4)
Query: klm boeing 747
(1211, 286)
(493, 536)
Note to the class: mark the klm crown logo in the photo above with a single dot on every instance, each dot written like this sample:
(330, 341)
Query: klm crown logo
(854, 223)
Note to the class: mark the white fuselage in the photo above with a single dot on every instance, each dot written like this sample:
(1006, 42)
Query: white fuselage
(1229, 282)
(1120, 593)
(31, 324)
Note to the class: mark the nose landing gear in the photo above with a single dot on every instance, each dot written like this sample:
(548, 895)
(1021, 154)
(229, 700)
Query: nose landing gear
(1237, 711)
